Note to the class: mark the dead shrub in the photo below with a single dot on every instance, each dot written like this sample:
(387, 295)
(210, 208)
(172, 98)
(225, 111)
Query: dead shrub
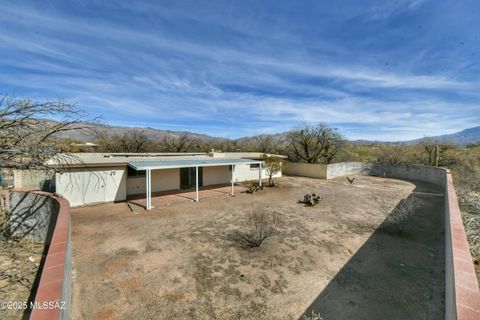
(472, 230)
(401, 215)
(4, 225)
(260, 225)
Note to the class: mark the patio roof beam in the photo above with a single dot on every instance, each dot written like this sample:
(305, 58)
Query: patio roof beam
(196, 184)
(149, 189)
(260, 169)
(233, 180)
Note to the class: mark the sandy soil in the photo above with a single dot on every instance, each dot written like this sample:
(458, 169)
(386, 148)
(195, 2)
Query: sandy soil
(181, 261)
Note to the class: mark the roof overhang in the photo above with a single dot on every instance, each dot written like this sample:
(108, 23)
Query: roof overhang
(187, 163)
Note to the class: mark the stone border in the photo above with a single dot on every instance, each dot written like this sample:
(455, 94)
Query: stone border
(52, 299)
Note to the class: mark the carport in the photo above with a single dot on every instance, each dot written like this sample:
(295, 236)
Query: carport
(149, 165)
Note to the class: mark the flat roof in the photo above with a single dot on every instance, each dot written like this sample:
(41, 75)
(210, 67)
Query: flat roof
(123, 159)
(184, 163)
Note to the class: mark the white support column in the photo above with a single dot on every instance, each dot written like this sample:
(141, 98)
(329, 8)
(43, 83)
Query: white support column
(233, 180)
(260, 169)
(196, 183)
(149, 189)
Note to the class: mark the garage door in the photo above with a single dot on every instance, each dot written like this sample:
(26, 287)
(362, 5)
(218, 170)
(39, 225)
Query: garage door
(94, 185)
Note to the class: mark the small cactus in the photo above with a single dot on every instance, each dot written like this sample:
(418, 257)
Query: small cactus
(252, 188)
(350, 180)
(310, 199)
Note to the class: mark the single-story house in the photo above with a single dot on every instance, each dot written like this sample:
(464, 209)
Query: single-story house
(88, 178)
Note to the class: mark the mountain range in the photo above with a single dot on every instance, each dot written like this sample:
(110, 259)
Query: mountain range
(461, 138)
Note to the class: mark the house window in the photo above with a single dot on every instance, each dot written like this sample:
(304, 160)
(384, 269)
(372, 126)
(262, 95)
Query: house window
(134, 173)
(254, 166)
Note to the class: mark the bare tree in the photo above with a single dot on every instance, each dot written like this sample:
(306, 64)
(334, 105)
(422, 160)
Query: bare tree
(273, 165)
(391, 155)
(429, 147)
(314, 143)
(263, 143)
(134, 141)
(182, 143)
(26, 134)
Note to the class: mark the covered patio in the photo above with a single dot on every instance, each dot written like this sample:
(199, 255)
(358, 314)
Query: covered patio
(165, 198)
(187, 195)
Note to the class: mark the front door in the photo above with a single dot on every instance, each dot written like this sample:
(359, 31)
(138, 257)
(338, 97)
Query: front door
(187, 177)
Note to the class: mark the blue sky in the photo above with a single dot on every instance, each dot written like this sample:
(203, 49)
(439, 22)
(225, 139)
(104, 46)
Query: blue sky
(387, 70)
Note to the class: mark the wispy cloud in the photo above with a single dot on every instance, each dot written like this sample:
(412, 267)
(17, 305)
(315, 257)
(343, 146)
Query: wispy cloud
(233, 71)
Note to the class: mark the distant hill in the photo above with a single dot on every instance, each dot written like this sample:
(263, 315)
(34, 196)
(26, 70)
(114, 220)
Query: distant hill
(461, 138)
(88, 134)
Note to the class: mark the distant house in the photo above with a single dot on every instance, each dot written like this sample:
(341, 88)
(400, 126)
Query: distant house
(90, 178)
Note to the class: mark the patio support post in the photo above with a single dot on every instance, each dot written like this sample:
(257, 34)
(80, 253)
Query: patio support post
(149, 189)
(233, 180)
(260, 175)
(196, 183)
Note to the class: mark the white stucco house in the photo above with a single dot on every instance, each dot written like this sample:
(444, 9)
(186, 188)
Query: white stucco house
(91, 178)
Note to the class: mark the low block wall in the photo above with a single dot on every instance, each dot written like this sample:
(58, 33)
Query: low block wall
(52, 218)
(318, 171)
(462, 294)
(433, 175)
(32, 215)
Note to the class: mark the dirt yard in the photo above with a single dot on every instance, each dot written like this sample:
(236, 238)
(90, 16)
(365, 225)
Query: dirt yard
(181, 261)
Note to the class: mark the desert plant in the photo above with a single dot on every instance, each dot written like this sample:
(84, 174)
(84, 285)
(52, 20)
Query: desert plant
(402, 214)
(260, 225)
(351, 180)
(310, 199)
(312, 316)
(273, 165)
(252, 188)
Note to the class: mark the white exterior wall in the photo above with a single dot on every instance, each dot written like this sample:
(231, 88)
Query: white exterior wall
(244, 173)
(162, 180)
(84, 186)
(92, 185)
(216, 175)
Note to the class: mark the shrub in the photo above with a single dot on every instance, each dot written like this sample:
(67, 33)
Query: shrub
(351, 180)
(259, 226)
(312, 316)
(310, 199)
(252, 188)
(273, 165)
